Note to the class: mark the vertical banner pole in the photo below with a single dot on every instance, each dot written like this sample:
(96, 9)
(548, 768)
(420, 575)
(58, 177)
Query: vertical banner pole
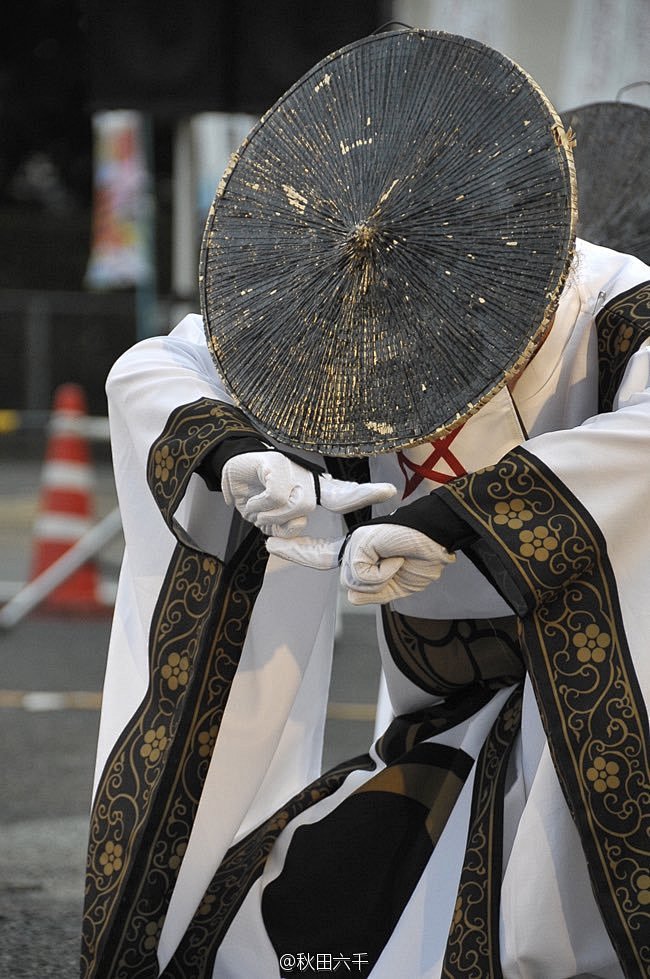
(146, 285)
(185, 258)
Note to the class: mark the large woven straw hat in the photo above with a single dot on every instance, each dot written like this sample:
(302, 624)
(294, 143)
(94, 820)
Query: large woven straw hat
(611, 159)
(387, 247)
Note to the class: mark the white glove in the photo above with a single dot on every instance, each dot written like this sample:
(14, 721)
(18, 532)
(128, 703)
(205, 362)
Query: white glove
(385, 561)
(344, 496)
(276, 494)
(381, 562)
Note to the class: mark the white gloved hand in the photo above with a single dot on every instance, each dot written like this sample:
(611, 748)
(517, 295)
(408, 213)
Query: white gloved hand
(380, 563)
(269, 490)
(385, 561)
(344, 496)
(276, 494)
(310, 552)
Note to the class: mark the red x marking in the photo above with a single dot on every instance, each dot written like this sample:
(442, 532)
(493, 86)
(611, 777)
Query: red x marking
(426, 469)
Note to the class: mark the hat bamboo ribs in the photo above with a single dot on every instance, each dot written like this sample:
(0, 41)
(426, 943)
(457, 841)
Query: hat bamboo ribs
(388, 245)
(611, 159)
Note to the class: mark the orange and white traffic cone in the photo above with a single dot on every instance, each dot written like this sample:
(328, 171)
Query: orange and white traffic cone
(66, 506)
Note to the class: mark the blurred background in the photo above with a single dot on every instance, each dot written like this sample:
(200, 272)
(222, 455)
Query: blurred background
(116, 122)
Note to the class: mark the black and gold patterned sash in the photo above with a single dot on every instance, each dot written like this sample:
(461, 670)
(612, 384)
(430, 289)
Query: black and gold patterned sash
(149, 793)
(150, 789)
(575, 649)
(473, 947)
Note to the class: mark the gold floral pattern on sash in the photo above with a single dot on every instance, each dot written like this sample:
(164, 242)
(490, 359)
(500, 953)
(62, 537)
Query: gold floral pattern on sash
(513, 513)
(576, 653)
(111, 858)
(622, 324)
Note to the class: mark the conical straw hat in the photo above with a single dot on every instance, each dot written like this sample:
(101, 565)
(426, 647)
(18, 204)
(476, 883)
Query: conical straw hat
(611, 159)
(388, 245)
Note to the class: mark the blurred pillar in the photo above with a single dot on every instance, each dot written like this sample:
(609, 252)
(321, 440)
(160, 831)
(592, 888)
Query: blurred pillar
(38, 344)
(184, 228)
(146, 290)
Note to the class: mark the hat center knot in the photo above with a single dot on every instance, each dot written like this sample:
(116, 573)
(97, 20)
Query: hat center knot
(361, 254)
(362, 239)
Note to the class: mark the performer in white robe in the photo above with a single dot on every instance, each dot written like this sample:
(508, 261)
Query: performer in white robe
(500, 825)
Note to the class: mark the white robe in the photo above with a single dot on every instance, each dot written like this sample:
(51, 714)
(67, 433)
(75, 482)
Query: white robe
(270, 740)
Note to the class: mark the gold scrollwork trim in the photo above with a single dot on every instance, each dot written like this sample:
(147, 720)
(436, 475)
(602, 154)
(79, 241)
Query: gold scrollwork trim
(190, 433)
(622, 326)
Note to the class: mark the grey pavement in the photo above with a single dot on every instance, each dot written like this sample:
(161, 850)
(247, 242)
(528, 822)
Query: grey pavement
(48, 747)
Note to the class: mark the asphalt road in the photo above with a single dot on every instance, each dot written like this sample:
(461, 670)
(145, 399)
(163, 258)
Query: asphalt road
(47, 768)
(51, 671)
